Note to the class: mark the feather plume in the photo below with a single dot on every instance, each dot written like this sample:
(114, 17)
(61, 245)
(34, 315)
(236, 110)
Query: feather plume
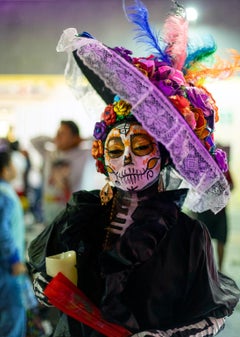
(199, 48)
(175, 34)
(222, 69)
(138, 15)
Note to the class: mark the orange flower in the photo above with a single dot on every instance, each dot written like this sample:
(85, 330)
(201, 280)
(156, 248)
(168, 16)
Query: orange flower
(201, 126)
(97, 149)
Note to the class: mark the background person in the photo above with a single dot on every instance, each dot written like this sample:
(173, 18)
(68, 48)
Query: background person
(67, 167)
(12, 252)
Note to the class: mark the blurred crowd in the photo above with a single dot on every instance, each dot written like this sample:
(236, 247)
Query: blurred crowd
(31, 195)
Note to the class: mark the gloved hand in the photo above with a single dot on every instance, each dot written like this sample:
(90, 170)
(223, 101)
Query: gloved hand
(40, 282)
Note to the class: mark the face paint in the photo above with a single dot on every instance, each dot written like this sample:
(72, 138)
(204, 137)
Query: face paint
(132, 157)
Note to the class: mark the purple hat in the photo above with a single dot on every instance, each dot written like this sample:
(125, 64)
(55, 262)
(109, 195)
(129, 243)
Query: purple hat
(175, 110)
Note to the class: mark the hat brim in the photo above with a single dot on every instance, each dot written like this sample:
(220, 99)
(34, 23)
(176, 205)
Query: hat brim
(161, 119)
(104, 92)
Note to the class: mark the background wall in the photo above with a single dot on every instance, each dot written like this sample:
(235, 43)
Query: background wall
(30, 29)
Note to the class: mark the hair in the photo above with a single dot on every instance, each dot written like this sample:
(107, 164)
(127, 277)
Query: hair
(5, 159)
(72, 126)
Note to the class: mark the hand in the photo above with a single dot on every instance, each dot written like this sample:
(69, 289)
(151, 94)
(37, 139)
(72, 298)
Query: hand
(18, 268)
(40, 282)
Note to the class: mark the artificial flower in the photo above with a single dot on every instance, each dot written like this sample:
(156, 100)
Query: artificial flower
(167, 87)
(166, 72)
(183, 106)
(180, 102)
(100, 167)
(200, 98)
(109, 115)
(97, 149)
(122, 108)
(145, 65)
(221, 159)
(209, 142)
(125, 53)
(201, 124)
(100, 130)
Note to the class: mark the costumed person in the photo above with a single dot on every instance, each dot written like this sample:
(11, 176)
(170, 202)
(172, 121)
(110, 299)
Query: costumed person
(141, 260)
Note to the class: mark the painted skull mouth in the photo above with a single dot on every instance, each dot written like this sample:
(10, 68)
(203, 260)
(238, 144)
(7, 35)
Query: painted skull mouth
(132, 176)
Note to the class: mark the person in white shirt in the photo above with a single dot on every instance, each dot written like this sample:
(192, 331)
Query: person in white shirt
(67, 167)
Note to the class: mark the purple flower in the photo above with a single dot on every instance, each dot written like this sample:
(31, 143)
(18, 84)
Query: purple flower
(168, 87)
(100, 130)
(200, 99)
(124, 53)
(221, 159)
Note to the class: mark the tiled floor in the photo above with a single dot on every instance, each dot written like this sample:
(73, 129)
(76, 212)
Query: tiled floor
(231, 266)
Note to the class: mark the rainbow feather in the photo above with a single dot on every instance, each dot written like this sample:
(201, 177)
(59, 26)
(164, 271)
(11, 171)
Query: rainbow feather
(199, 48)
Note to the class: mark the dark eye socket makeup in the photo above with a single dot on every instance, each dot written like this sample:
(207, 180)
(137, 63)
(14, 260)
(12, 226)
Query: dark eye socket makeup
(141, 145)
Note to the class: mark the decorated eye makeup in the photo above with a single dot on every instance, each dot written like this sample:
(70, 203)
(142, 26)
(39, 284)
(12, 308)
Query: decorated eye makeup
(141, 144)
(115, 147)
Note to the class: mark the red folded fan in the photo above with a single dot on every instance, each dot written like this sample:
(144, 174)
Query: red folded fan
(64, 295)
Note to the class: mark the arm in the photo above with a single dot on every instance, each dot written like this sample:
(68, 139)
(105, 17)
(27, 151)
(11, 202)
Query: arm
(8, 248)
(210, 326)
(39, 143)
(202, 273)
(45, 244)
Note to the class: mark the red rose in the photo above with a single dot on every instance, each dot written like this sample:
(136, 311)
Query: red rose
(109, 115)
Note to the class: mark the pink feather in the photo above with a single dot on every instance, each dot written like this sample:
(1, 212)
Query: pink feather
(175, 33)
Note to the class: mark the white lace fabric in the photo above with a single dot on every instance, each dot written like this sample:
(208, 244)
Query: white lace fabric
(208, 187)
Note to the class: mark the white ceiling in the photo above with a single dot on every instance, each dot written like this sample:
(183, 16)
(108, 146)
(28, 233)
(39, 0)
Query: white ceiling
(30, 29)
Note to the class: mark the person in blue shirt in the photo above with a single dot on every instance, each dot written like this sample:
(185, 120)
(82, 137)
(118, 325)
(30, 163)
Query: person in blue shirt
(12, 266)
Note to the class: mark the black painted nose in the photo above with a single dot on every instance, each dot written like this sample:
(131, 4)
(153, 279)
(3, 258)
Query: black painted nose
(127, 159)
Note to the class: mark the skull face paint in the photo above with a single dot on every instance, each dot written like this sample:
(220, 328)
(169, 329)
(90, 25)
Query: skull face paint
(132, 157)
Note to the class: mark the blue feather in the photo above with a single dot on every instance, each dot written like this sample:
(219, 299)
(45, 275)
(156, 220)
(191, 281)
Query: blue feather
(138, 15)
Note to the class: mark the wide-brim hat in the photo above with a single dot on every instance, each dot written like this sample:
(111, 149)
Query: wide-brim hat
(111, 74)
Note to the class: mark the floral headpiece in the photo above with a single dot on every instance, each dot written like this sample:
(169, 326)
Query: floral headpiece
(195, 104)
(166, 94)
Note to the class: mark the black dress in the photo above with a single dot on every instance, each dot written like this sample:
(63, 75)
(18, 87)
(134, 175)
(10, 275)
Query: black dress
(160, 274)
